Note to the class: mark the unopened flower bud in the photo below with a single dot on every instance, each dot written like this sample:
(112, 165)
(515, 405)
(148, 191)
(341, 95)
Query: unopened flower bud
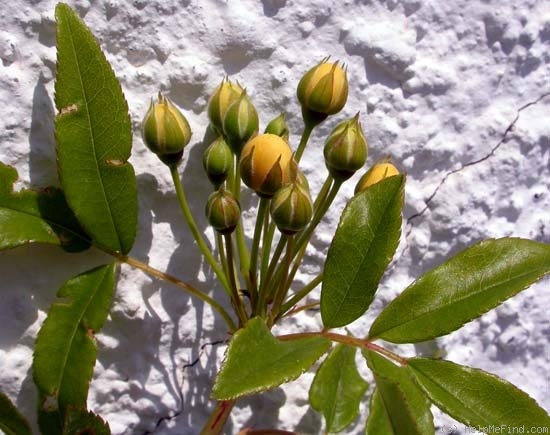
(264, 164)
(223, 211)
(291, 208)
(323, 90)
(165, 130)
(240, 122)
(217, 161)
(375, 174)
(278, 126)
(346, 149)
(223, 97)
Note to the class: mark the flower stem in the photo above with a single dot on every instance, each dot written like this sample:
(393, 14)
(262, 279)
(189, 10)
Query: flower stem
(308, 128)
(252, 271)
(265, 287)
(282, 290)
(298, 296)
(235, 297)
(180, 284)
(194, 229)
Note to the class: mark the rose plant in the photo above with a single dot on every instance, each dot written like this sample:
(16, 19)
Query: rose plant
(97, 207)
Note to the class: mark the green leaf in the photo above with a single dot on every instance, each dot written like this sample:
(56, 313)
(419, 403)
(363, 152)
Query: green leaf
(337, 388)
(94, 137)
(66, 351)
(11, 421)
(256, 361)
(32, 216)
(79, 421)
(378, 421)
(405, 405)
(477, 398)
(461, 289)
(363, 246)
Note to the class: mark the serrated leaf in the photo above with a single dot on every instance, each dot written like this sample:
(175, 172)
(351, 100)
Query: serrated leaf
(406, 408)
(475, 397)
(11, 420)
(32, 216)
(256, 361)
(363, 245)
(65, 351)
(93, 135)
(82, 422)
(337, 389)
(378, 421)
(461, 289)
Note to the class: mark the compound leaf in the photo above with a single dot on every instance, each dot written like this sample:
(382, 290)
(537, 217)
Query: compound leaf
(337, 389)
(363, 245)
(477, 398)
(405, 406)
(79, 421)
(66, 351)
(256, 361)
(461, 289)
(30, 216)
(93, 136)
(11, 420)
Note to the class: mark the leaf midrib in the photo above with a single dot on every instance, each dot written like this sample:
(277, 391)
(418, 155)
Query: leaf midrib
(91, 132)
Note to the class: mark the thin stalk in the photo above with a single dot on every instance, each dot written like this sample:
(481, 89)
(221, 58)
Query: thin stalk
(235, 297)
(244, 255)
(253, 269)
(351, 341)
(194, 229)
(182, 285)
(265, 285)
(223, 258)
(308, 128)
(282, 290)
(269, 232)
(302, 308)
(217, 419)
(299, 295)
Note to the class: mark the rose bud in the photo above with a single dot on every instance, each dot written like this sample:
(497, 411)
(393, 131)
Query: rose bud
(165, 130)
(264, 164)
(278, 126)
(224, 95)
(378, 172)
(345, 149)
(240, 123)
(291, 208)
(217, 161)
(323, 90)
(223, 211)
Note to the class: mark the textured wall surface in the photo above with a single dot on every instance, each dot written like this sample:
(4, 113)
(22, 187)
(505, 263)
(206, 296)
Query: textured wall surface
(458, 93)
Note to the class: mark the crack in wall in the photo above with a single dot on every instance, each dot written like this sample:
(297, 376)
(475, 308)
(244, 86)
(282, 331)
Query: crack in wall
(180, 409)
(503, 138)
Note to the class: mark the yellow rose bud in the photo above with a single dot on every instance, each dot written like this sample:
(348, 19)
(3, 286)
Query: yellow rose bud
(323, 90)
(165, 130)
(346, 149)
(223, 211)
(378, 172)
(264, 164)
(240, 122)
(291, 208)
(224, 96)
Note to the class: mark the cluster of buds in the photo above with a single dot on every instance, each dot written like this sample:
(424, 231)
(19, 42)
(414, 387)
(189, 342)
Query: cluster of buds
(266, 161)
